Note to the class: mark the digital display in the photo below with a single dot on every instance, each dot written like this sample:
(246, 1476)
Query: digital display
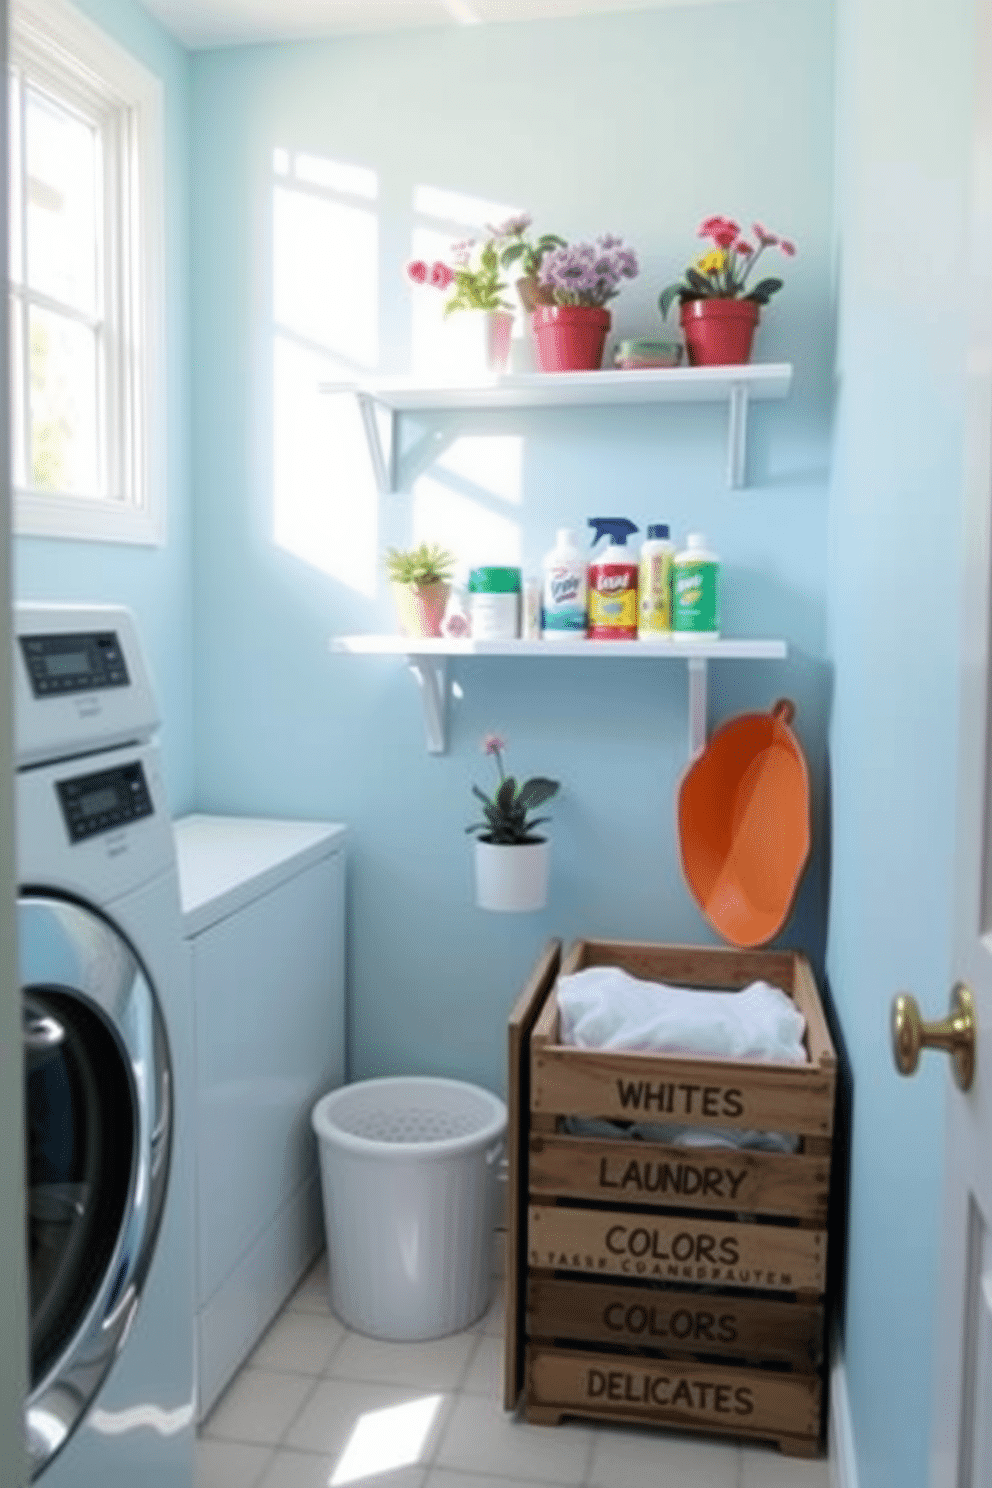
(67, 664)
(104, 800)
(91, 803)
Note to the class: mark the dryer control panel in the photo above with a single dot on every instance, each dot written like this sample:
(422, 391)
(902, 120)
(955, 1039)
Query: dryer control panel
(80, 682)
(104, 799)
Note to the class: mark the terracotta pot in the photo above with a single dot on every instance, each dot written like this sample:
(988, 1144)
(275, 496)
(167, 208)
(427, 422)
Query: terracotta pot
(511, 876)
(420, 607)
(570, 338)
(719, 332)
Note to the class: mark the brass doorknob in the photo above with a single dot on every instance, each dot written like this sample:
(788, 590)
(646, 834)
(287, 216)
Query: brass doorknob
(955, 1034)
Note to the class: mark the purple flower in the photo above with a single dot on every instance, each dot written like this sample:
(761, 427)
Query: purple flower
(588, 273)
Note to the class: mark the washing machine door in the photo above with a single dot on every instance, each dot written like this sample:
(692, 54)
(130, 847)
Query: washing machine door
(98, 1114)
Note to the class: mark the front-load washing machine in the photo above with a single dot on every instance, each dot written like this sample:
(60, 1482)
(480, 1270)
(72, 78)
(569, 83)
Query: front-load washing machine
(108, 1062)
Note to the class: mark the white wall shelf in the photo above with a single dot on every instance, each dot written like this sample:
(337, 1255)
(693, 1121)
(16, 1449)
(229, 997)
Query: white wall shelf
(428, 660)
(736, 386)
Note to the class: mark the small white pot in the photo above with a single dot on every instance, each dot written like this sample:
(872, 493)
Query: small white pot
(512, 876)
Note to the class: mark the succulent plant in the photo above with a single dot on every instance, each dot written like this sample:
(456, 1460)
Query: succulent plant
(427, 564)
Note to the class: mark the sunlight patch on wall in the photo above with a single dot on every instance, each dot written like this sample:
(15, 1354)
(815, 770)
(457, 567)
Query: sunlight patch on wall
(493, 462)
(476, 536)
(325, 308)
(325, 505)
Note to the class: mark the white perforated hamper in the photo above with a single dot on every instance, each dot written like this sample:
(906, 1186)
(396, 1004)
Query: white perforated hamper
(408, 1171)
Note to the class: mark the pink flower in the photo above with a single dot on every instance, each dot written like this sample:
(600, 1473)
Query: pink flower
(744, 248)
(764, 237)
(417, 271)
(787, 248)
(723, 231)
(441, 275)
(493, 744)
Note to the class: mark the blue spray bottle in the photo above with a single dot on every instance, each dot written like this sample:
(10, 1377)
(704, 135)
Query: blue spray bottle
(613, 583)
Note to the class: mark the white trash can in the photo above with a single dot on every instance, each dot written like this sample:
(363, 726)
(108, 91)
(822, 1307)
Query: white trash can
(408, 1170)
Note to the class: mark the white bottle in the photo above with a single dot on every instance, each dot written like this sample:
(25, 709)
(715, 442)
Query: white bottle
(564, 589)
(654, 605)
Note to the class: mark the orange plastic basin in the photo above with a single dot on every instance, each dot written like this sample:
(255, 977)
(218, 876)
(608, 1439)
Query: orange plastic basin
(744, 828)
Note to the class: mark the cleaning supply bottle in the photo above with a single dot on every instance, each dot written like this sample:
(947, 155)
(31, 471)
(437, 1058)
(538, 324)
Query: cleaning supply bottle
(613, 583)
(654, 603)
(696, 590)
(564, 589)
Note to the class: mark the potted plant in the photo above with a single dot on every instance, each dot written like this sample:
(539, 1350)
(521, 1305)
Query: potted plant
(528, 254)
(578, 281)
(475, 285)
(511, 858)
(421, 580)
(720, 306)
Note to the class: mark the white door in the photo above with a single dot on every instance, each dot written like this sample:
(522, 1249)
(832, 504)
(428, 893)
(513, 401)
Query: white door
(962, 1423)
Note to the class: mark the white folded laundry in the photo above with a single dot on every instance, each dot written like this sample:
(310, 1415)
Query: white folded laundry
(603, 1007)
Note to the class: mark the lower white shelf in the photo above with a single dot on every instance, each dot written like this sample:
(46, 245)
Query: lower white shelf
(428, 660)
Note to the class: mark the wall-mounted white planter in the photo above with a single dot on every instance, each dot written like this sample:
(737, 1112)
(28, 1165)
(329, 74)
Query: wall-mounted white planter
(512, 876)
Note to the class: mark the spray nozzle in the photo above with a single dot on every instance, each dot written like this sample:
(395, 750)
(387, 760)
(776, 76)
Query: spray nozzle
(618, 529)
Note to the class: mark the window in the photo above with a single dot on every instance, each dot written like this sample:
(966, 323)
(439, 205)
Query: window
(87, 394)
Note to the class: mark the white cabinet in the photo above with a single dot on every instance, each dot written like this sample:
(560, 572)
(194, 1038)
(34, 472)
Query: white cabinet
(263, 915)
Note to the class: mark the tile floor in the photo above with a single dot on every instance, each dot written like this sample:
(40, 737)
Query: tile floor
(316, 1406)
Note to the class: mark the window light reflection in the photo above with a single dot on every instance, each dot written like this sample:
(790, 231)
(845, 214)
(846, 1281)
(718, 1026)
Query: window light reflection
(463, 524)
(383, 1441)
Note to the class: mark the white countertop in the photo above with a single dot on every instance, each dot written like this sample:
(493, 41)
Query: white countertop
(227, 861)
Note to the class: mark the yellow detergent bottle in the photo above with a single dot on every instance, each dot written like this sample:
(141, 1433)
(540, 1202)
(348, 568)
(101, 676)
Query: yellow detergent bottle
(654, 604)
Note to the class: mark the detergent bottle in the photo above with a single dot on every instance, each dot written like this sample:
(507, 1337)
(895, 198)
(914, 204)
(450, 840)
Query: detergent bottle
(655, 584)
(613, 583)
(696, 590)
(564, 590)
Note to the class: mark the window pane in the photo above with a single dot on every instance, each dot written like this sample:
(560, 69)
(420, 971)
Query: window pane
(61, 191)
(19, 458)
(63, 405)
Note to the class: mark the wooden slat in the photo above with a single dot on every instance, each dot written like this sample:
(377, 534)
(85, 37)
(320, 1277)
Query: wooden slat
(796, 1186)
(819, 1044)
(525, 1011)
(691, 1397)
(671, 1248)
(673, 1321)
(742, 1094)
(686, 965)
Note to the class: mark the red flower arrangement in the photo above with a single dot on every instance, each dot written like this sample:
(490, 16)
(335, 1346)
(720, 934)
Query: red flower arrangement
(724, 272)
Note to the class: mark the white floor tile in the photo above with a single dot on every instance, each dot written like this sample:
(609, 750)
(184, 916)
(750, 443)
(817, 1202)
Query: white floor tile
(258, 1406)
(443, 1477)
(304, 1470)
(624, 1458)
(223, 1464)
(437, 1365)
(341, 1410)
(768, 1468)
(481, 1435)
(485, 1372)
(299, 1343)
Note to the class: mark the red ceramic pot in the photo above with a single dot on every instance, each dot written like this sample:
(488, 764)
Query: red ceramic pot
(570, 338)
(719, 332)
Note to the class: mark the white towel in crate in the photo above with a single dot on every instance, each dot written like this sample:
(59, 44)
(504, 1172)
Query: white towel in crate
(603, 1007)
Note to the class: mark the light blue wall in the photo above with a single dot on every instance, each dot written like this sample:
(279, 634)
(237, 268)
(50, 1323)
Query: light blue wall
(905, 133)
(595, 125)
(154, 581)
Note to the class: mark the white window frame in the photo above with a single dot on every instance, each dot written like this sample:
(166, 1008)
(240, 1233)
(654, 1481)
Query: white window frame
(81, 65)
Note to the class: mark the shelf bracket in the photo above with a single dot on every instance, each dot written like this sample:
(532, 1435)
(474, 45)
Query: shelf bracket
(431, 673)
(697, 706)
(737, 436)
(384, 465)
